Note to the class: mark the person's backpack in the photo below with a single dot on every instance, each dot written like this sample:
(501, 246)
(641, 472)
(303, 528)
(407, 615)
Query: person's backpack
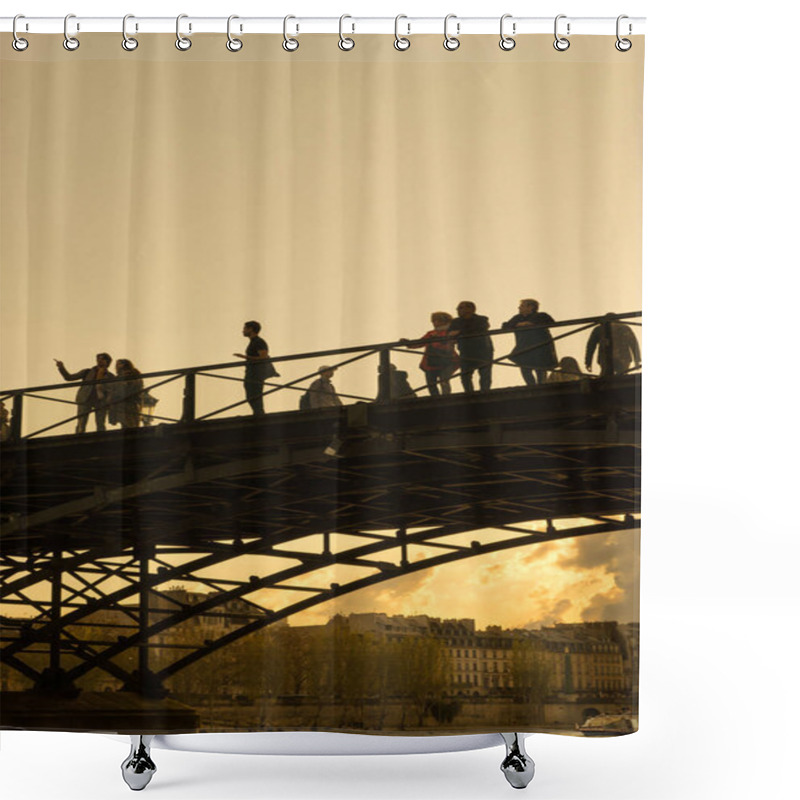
(305, 400)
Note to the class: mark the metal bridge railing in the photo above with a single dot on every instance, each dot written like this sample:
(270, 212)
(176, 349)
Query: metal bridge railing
(13, 422)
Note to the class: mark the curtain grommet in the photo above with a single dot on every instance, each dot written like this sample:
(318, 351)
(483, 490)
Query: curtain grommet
(70, 43)
(346, 43)
(183, 43)
(18, 43)
(623, 45)
(401, 43)
(507, 42)
(561, 43)
(290, 44)
(451, 43)
(129, 43)
(233, 44)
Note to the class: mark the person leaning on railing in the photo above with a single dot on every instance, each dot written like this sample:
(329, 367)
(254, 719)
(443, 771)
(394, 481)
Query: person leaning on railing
(534, 352)
(90, 395)
(440, 359)
(477, 352)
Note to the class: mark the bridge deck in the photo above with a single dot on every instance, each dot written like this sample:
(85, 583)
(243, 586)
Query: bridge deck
(466, 461)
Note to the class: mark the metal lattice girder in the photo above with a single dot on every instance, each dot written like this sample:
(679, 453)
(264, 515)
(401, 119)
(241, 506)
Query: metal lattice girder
(121, 513)
(379, 571)
(74, 490)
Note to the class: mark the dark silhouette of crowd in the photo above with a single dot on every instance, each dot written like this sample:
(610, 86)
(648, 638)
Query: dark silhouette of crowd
(454, 346)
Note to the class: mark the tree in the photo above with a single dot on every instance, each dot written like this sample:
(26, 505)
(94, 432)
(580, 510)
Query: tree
(419, 674)
(532, 674)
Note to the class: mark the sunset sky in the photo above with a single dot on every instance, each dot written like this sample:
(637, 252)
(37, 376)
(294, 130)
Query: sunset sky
(573, 580)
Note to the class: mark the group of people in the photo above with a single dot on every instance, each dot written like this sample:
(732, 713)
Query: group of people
(462, 345)
(455, 345)
(118, 396)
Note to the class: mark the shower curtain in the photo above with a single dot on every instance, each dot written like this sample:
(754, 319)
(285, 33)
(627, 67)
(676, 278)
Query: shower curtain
(321, 374)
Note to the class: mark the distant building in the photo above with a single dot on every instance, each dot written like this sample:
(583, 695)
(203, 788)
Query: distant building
(585, 661)
(589, 659)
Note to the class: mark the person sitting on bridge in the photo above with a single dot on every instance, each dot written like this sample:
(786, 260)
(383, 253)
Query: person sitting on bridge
(567, 370)
(127, 395)
(440, 360)
(534, 351)
(616, 346)
(90, 395)
(258, 367)
(5, 423)
(321, 393)
(398, 385)
(477, 352)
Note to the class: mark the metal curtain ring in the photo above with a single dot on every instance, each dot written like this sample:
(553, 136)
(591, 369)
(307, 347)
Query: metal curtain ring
(70, 42)
(129, 43)
(561, 43)
(345, 42)
(507, 42)
(18, 43)
(289, 44)
(623, 45)
(233, 44)
(181, 41)
(400, 42)
(451, 42)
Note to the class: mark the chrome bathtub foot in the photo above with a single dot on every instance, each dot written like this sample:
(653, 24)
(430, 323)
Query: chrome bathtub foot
(517, 766)
(138, 768)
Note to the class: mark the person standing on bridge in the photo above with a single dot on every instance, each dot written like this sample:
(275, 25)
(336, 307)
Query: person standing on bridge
(90, 395)
(477, 351)
(616, 345)
(258, 367)
(127, 395)
(534, 352)
(439, 360)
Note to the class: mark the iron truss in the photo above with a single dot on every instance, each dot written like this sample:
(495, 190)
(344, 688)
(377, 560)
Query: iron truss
(104, 522)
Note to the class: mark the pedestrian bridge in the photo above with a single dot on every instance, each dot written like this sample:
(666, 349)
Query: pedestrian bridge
(101, 521)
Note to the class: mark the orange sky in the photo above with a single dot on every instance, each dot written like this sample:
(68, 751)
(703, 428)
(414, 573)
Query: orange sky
(570, 580)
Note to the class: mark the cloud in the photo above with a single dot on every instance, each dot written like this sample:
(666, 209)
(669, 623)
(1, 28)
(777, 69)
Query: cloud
(557, 613)
(571, 580)
(617, 555)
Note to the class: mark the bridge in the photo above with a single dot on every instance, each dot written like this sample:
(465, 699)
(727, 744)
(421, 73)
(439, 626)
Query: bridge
(105, 521)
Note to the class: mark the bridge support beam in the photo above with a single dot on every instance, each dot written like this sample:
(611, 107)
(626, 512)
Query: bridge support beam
(53, 678)
(401, 536)
(385, 377)
(143, 681)
(189, 398)
(16, 418)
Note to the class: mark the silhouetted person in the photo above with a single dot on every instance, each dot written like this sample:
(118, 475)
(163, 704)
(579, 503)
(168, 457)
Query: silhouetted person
(90, 396)
(616, 345)
(440, 360)
(476, 351)
(399, 387)
(5, 423)
(567, 370)
(127, 395)
(534, 352)
(258, 367)
(321, 393)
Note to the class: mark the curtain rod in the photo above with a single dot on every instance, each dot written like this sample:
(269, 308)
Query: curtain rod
(458, 26)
